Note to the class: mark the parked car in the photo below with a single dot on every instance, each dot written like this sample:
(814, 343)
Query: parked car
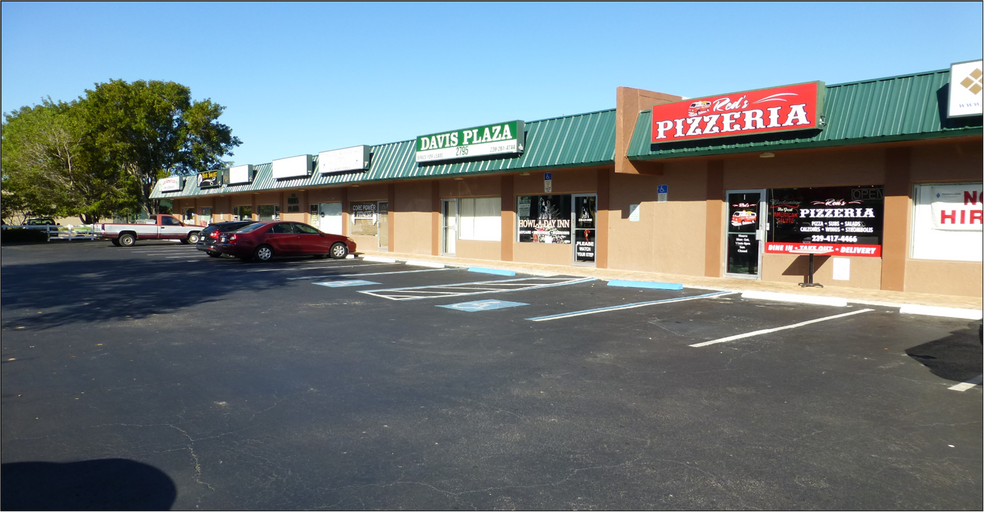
(264, 240)
(161, 227)
(210, 235)
(41, 221)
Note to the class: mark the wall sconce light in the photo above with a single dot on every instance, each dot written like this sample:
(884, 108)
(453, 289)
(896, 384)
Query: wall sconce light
(524, 173)
(458, 179)
(767, 154)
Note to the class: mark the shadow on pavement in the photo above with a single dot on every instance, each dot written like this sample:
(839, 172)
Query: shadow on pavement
(957, 357)
(53, 294)
(106, 484)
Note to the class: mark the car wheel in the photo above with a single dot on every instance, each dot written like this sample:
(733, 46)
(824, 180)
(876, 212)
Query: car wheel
(339, 250)
(192, 238)
(127, 239)
(263, 253)
(214, 254)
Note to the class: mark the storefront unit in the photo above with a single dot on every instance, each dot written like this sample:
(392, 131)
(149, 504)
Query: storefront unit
(511, 191)
(850, 179)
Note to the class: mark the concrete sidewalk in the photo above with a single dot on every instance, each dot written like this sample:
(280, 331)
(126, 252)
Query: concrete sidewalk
(853, 295)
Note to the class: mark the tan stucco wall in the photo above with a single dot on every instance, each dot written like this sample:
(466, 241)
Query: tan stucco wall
(412, 213)
(668, 236)
(943, 277)
(478, 249)
(956, 161)
(480, 186)
(326, 195)
(806, 169)
(791, 268)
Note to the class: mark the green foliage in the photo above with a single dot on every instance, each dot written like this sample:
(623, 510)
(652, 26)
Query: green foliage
(103, 153)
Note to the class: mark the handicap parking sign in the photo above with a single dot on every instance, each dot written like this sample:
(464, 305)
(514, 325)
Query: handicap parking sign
(483, 305)
(345, 283)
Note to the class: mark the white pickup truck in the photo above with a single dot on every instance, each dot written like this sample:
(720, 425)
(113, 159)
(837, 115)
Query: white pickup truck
(162, 227)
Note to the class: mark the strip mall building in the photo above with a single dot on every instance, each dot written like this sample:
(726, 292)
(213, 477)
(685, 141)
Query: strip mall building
(879, 179)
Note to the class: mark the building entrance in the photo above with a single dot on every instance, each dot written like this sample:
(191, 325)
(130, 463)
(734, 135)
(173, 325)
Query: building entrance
(745, 230)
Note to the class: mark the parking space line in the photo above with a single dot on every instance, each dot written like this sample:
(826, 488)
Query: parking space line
(372, 273)
(626, 306)
(776, 329)
(964, 386)
(292, 269)
(453, 290)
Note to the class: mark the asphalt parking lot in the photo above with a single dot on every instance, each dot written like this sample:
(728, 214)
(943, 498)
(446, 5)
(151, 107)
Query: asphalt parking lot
(156, 377)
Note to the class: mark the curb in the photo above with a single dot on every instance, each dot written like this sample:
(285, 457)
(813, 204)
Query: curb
(966, 314)
(492, 271)
(428, 264)
(645, 284)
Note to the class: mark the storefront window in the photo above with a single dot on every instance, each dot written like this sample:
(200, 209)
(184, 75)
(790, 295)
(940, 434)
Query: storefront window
(480, 218)
(544, 219)
(946, 221)
(364, 219)
(269, 212)
(841, 221)
(242, 213)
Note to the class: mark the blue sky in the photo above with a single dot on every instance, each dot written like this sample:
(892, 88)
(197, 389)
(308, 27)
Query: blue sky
(299, 78)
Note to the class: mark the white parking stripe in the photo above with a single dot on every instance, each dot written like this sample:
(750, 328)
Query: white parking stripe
(964, 386)
(628, 306)
(776, 329)
(372, 273)
(453, 290)
(292, 269)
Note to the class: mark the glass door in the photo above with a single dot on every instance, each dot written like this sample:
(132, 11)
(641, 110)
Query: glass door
(585, 212)
(383, 211)
(745, 233)
(330, 218)
(449, 225)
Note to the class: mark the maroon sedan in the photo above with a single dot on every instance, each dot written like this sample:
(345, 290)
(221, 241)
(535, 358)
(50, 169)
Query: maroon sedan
(264, 240)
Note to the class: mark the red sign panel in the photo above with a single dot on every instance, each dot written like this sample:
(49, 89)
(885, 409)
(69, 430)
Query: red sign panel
(824, 249)
(780, 109)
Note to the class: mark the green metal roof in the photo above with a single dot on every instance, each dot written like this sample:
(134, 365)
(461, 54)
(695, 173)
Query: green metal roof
(571, 141)
(882, 110)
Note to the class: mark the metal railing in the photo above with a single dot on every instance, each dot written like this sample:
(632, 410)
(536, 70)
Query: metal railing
(61, 232)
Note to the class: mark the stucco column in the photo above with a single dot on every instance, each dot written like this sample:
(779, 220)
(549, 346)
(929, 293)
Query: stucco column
(601, 218)
(895, 233)
(713, 234)
(391, 217)
(508, 217)
(435, 218)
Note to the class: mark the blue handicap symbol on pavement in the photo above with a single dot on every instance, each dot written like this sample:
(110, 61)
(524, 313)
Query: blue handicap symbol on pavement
(483, 305)
(350, 282)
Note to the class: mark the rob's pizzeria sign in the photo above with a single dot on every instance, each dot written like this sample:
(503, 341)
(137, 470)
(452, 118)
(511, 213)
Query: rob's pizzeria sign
(780, 109)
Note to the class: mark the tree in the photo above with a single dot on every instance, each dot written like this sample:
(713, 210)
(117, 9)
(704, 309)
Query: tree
(103, 153)
(50, 166)
(149, 130)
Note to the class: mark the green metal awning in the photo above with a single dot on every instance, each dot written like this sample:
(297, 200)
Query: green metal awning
(581, 140)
